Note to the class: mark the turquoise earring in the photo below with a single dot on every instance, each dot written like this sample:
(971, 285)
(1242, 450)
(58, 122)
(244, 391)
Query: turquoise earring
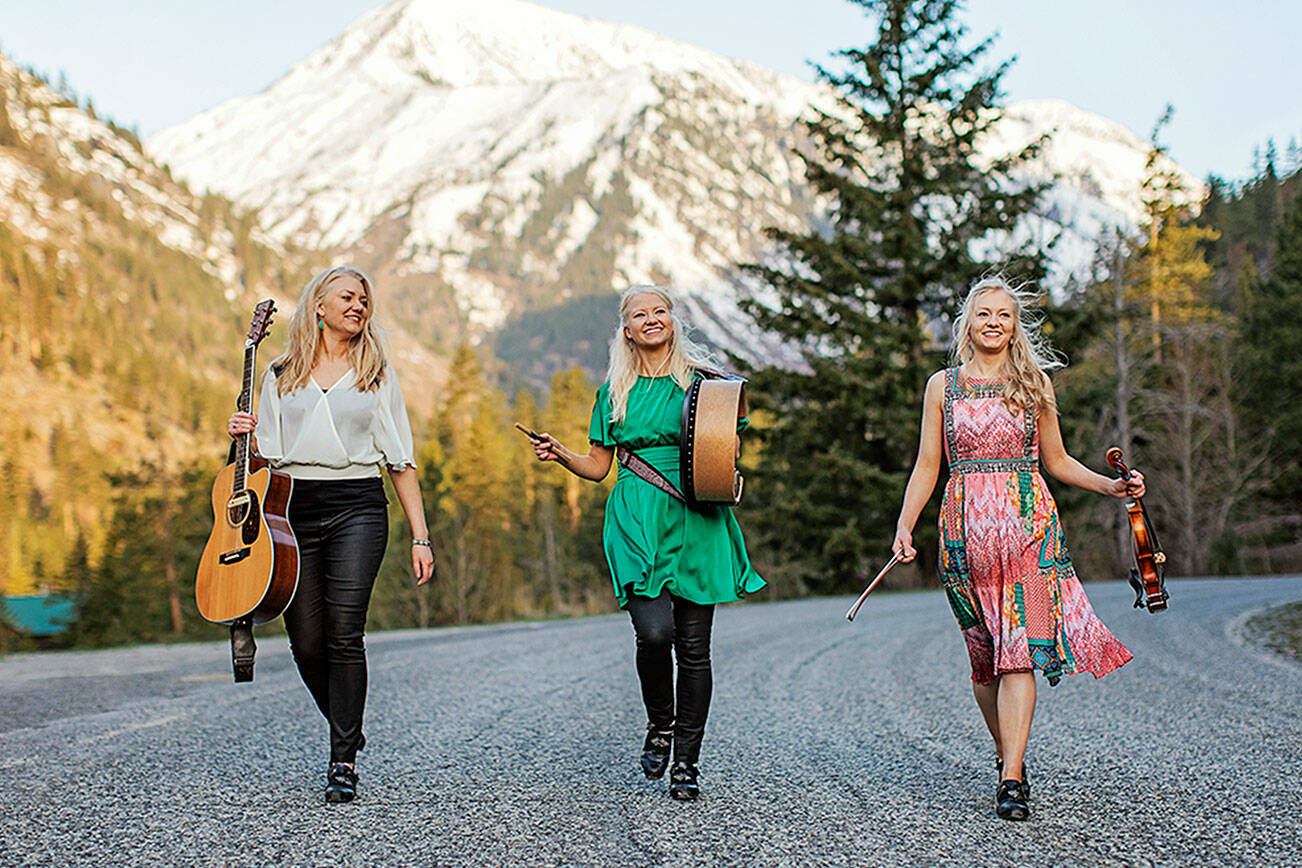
(320, 324)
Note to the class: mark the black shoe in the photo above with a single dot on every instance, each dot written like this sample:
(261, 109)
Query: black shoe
(1011, 801)
(682, 782)
(1026, 776)
(341, 783)
(655, 751)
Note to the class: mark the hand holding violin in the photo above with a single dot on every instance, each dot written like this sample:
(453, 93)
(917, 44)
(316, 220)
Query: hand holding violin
(1131, 487)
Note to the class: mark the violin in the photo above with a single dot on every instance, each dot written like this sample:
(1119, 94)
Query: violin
(1148, 575)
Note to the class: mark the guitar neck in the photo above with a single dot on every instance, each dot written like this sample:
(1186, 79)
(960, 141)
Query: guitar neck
(244, 403)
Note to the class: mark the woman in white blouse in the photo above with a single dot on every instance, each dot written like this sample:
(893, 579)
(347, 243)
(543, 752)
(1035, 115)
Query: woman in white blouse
(332, 415)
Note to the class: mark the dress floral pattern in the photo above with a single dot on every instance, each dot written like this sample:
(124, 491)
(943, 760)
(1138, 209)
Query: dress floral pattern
(1005, 567)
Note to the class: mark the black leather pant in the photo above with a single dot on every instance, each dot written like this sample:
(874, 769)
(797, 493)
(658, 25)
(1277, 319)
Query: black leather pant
(342, 527)
(660, 624)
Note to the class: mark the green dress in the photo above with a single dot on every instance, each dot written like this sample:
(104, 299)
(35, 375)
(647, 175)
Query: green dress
(652, 541)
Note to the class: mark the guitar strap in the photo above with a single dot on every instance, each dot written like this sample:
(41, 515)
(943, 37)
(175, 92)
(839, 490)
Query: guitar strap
(243, 648)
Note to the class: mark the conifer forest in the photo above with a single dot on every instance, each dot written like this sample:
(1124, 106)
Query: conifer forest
(119, 358)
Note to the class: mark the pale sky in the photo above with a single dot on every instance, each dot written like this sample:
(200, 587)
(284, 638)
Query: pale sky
(1231, 69)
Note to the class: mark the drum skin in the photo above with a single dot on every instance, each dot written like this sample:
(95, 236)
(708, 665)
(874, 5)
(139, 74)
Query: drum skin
(708, 460)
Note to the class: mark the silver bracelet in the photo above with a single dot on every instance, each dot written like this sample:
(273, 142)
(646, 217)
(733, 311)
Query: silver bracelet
(421, 542)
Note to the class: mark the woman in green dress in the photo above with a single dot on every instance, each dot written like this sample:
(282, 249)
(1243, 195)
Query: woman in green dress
(670, 564)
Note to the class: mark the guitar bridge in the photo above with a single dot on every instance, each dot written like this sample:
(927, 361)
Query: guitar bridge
(234, 556)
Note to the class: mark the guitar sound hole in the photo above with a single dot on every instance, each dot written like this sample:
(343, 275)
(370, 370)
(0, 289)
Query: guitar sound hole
(237, 510)
(252, 524)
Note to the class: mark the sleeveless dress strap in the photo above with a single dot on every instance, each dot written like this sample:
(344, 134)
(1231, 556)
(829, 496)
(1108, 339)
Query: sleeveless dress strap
(1028, 433)
(952, 394)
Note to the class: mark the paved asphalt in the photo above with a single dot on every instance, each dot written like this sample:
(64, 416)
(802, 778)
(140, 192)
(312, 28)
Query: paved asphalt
(829, 744)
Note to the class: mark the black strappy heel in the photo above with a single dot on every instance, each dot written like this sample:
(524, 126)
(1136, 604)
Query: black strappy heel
(1011, 801)
(1026, 777)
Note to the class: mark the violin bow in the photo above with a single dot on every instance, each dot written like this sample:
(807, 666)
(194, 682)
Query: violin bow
(854, 610)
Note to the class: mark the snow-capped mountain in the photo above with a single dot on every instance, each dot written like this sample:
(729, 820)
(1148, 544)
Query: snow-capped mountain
(509, 157)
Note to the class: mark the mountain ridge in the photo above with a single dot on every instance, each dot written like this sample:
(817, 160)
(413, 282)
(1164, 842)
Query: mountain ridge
(618, 157)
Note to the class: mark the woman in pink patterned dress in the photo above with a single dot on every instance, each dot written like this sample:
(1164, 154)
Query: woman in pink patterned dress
(1005, 568)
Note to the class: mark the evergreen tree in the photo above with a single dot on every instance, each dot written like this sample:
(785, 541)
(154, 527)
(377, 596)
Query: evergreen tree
(142, 589)
(1269, 381)
(571, 509)
(473, 523)
(1194, 454)
(867, 296)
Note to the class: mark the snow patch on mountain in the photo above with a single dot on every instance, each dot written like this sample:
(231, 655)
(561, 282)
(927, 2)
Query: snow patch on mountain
(518, 156)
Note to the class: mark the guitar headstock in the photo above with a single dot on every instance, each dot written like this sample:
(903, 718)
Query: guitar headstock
(261, 321)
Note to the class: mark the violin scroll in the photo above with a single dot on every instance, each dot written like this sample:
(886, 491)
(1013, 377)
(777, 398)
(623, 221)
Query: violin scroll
(1115, 461)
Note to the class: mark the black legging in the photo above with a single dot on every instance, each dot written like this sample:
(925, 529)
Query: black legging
(671, 622)
(342, 527)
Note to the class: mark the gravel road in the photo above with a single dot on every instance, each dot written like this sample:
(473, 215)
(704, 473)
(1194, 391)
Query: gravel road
(828, 744)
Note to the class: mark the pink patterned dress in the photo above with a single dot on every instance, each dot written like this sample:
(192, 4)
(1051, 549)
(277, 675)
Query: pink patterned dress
(1005, 568)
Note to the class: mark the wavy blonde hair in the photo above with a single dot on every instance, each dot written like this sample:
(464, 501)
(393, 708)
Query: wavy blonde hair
(294, 367)
(685, 355)
(1029, 356)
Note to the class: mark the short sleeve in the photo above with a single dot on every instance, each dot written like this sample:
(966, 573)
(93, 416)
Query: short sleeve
(392, 427)
(599, 429)
(271, 444)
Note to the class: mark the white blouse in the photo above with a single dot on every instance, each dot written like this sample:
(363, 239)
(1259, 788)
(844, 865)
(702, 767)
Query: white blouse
(335, 433)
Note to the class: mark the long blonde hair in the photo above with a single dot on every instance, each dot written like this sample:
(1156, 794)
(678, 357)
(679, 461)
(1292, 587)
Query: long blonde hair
(294, 368)
(1029, 355)
(685, 355)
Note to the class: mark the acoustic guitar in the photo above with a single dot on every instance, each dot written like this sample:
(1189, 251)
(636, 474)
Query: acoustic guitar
(1148, 575)
(249, 568)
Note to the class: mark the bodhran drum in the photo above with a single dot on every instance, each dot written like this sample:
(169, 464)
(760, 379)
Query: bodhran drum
(708, 458)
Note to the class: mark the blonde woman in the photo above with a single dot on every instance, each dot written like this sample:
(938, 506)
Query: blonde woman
(670, 565)
(332, 415)
(1004, 565)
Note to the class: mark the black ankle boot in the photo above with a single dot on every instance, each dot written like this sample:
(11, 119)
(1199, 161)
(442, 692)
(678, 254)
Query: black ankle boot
(341, 783)
(682, 781)
(655, 750)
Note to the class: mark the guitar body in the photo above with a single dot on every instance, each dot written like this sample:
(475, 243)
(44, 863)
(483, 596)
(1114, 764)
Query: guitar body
(249, 568)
